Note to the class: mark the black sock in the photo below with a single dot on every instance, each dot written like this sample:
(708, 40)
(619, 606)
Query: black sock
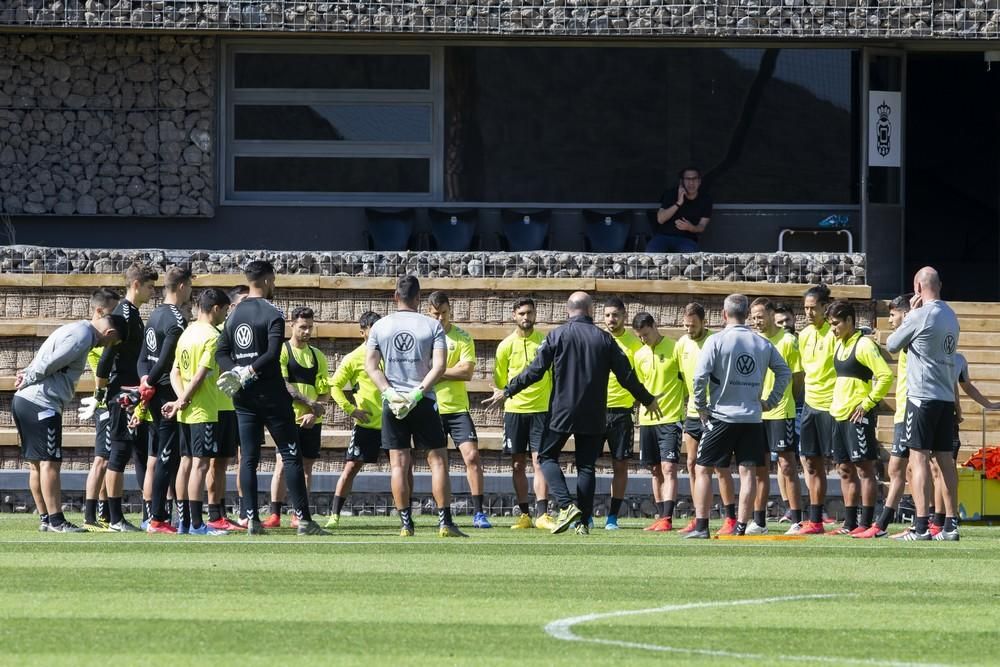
(57, 519)
(541, 507)
(867, 514)
(661, 509)
(930, 510)
(816, 514)
(444, 516)
(668, 508)
(276, 508)
(741, 528)
(103, 512)
(405, 518)
(214, 511)
(796, 516)
(184, 512)
(760, 517)
(477, 503)
(888, 516)
(338, 504)
(701, 524)
(523, 507)
(90, 510)
(731, 511)
(147, 509)
(196, 509)
(920, 524)
(115, 508)
(239, 507)
(616, 506)
(851, 517)
(938, 519)
(951, 524)
(43, 518)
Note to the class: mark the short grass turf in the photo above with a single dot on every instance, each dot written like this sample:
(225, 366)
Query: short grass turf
(367, 596)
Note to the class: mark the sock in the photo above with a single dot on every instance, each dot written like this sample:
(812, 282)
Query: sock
(196, 509)
(951, 524)
(90, 511)
(276, 508)
(214, 511)
(444, 516)
(938, 519)
(816, 513)
(731, 511)
(920, 524)
(147, 509)
(661, 509)
(338, 504)
(741, 528)
(930, 510)
(668, 508)
(184, 512)
(405, 518)
(796, 516)
(701, 524)
(523, 507)
(103, 512)
(888, 516)
(867, 514)
(477, 503)
(239, 505)
(43, 518)
(851, 517)
(616, 506)
(57, 519)
(115, 508)
(760, 518)
(541, 506)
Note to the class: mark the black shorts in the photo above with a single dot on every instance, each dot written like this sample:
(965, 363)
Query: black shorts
(39, 429)
(310, 441)
(618, 433)
(204, 439)
(422, 427)
(693, 427)
(660, 443)
(102, 433)
(854, 443)
(229, 434)
(366, 443)
(816, 438)
(459, 426)
(119, 418)
(930, 427)
(723, 440)
(523, 432)
(781, 436)
(899, 450)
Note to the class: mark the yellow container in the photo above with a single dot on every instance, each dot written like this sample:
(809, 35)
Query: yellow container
(972, 494)
(991, 497)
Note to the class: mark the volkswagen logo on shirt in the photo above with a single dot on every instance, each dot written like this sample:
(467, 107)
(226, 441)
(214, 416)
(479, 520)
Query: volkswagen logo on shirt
(150, 340)
(403, 341)
(949, 344)
(745, 364)
(243, 336)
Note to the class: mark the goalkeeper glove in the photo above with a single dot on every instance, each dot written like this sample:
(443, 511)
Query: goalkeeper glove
(398, 404)
(146, 391)
(232, 381)
(87, 408)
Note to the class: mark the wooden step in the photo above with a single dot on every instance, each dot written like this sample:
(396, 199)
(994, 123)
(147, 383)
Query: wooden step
(967, 324)
(975, 308)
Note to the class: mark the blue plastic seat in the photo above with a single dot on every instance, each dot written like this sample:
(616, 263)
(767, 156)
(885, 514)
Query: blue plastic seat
(525, 229)
(606, 231)
(453, 230)
(389, 229)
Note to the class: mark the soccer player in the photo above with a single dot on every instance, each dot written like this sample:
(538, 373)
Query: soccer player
(930, 332)
(658, 369)
(784, 317)
(688, 350)
(194, 373)
(580, 356)
(525, 416)
(619, 433)
(863, 379)
(407, 353)
(453, 401)
(779, 423)
(42, 391)
(307, 374)
(248, 355)
(364, 407)
(735, 360)
(118, 368)
(816, 344)
(156, 359)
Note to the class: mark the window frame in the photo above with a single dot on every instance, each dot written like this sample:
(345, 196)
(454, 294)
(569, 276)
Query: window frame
(231, 149)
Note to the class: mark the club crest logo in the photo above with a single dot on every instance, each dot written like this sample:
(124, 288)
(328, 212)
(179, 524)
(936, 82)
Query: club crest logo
(883, 129)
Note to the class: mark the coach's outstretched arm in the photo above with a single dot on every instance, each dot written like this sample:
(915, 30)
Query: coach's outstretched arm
(628, 379)
(782, 376)
(535, 371)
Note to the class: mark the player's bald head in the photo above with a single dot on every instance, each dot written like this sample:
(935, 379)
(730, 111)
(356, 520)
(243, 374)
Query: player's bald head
(579, 303)
(928, 278)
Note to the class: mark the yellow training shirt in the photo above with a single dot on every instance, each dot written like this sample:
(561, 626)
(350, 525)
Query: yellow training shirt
(618, 396)
(196, 349)
(351, 375)
(452, 397)
(788, 348)
(514, 354)
(658, 369)
(688, 351)
(304, 357)
(863, 377)
(816, 349)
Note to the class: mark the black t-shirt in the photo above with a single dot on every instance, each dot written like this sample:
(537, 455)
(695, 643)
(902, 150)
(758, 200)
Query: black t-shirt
(164, 328)
(692, 210)
(252, 336)
(119, 362)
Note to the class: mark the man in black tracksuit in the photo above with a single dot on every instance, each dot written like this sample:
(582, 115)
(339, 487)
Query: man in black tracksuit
(581, 356)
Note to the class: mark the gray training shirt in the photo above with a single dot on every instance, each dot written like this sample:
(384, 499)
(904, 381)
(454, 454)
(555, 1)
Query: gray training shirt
(407, 340)
(50, 379)
(930, 334)
(735, 361)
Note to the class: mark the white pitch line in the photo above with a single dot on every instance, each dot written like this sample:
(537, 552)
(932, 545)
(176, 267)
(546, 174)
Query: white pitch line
(563, 629)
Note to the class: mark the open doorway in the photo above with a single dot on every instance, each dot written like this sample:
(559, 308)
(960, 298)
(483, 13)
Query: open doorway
(953, 172)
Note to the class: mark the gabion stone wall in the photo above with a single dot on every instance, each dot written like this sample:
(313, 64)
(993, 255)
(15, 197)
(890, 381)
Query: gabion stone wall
(948, 19)
(106, 124)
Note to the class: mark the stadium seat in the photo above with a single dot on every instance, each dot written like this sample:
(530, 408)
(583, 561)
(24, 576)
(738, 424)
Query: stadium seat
(389, 228)
(525, 229)
(453, 229)
(606, 230)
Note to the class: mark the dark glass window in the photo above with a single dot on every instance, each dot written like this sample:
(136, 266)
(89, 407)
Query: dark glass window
(334, 122)
(332, 174)
(332, 71)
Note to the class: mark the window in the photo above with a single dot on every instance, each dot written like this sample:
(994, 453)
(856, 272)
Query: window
(318, 123)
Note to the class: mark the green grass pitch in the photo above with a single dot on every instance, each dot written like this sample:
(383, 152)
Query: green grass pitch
(501, 597)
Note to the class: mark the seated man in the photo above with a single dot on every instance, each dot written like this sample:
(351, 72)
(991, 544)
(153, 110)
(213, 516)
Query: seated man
(682, 217)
